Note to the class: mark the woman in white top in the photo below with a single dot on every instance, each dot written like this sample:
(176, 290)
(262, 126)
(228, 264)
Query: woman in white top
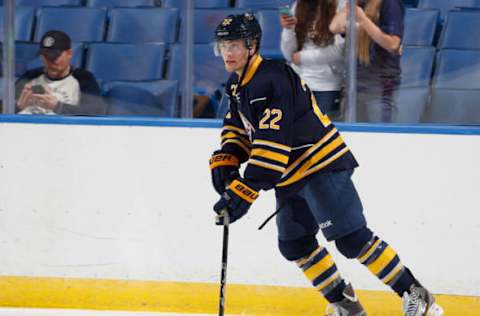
(315, 53)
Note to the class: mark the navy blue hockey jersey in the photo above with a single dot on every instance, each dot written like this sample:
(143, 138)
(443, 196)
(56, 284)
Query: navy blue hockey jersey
(275, 125)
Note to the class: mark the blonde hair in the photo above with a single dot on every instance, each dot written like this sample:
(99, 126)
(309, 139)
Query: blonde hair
(372, 11)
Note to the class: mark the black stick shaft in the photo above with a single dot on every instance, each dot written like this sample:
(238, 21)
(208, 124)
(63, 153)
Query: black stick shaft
(223, 277)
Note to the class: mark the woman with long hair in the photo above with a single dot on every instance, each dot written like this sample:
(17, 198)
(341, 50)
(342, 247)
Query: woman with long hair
(380, 32)
(314, 51)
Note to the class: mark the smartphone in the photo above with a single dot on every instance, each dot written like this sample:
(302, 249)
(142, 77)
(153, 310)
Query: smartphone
(285, 11)
(38, 89)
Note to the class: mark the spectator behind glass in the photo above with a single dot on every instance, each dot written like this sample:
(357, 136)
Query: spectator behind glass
(316, 53)
(57, 88)
(380, 32)
(202, 107)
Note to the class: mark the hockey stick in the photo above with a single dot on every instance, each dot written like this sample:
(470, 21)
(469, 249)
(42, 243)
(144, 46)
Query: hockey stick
(270, 217)
(223, 276)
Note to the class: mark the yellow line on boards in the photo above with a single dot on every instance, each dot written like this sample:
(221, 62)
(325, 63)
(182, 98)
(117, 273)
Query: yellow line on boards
(179, 297)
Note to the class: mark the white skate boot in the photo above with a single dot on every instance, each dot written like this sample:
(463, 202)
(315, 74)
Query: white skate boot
(420, 303)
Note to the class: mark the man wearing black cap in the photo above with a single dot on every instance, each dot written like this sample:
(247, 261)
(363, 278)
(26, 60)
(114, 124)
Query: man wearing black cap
(57, 88)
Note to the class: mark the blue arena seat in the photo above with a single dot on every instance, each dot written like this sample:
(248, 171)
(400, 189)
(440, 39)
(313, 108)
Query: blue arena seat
(175, 63)
(81, 24)
(453, 106)
(147, 98)
(446, 5)
(198, 4)
(457, 69)
(138, 25)
(26, 56)
(456, 34)
(417, 65)
(456, 88)
(262, 4)
(412, 95)
(209, 71)
(133, 62)
(410, 3)
(24, 18)
(119, 3)
(223, 107)
(49, 3)
(272, 33)
(410, 104)
(420, 26)
(206, 20)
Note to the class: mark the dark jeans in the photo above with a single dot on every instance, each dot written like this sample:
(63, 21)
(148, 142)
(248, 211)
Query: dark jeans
(375, 99)
(329, 102)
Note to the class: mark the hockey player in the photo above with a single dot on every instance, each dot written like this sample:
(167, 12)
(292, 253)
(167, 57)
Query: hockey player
(276, 128)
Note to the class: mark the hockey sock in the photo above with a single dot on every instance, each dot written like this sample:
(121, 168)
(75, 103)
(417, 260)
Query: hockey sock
(384, 262)
(405, 280)
(321, 270)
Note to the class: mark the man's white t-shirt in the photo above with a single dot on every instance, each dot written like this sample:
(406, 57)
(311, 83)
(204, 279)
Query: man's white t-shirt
(66, 90)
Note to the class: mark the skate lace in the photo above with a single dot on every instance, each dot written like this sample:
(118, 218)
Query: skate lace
(414, 300)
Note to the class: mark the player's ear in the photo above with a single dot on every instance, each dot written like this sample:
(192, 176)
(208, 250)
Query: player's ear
(253, 48)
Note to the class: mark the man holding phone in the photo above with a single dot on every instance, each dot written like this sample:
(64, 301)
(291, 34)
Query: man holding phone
(57, 88)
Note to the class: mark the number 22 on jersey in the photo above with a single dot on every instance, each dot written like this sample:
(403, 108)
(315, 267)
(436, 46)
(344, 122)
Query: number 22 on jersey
(270, 119)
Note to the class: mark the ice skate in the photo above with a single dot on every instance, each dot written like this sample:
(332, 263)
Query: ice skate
(420, 303)
(349, 306)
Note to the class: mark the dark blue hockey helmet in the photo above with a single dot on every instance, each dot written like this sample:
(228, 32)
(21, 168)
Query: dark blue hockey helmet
(242, 26)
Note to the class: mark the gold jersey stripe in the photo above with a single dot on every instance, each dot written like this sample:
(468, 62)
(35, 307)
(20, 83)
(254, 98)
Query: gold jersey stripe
(232, 135)
(382, 261)
(300, 173)
(270, 155)
(309, 151)
(326, 162)
(235, 129)
(334, 144)
(272, 144)
(266, 165)
(239, 143)
(316, 109)
(229, 135)
(252, 69)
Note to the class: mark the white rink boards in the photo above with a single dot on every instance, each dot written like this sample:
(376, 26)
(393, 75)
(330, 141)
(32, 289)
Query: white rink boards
(116, 246)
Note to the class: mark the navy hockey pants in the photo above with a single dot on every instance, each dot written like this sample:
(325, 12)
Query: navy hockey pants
(328, 201)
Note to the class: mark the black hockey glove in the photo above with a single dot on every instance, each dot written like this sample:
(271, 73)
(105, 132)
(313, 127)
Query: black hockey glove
(224, 169)
(236, 200)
